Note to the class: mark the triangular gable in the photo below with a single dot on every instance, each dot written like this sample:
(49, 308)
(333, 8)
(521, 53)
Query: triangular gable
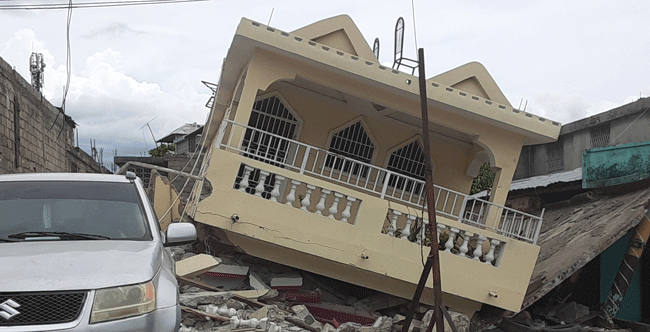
(338, 32)
(475, 79)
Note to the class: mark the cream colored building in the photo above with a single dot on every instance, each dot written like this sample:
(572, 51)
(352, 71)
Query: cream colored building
(316, 162)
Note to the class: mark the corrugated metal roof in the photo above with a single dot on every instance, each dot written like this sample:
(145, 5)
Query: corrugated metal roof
(180, 131)
(545, 180)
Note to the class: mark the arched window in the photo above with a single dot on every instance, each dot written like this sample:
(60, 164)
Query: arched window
(353, 142)
(270, 115)
(407, 160)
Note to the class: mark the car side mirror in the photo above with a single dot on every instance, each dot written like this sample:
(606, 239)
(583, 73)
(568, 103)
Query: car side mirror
(180, 233)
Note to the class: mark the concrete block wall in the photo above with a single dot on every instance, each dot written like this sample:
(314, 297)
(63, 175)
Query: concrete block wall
(34, 135)
(629, 123)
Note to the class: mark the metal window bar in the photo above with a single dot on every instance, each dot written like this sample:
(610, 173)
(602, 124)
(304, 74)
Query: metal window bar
(600, 137)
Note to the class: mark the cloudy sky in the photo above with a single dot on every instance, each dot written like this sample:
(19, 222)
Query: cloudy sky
(564, 59)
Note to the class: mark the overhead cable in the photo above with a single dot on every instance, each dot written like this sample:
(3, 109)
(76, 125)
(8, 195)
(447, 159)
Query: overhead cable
(96, 4)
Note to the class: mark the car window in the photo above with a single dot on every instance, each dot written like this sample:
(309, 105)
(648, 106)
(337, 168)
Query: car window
(111, 210)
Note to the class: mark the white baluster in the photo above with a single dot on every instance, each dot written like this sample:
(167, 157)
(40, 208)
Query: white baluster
(452, 237)
(406, 232)
(223, 310)
(441, 228)
(423, 229)
(479, 247)
(490, 255)
(393, 223)
(348, 205)
(259, 189)
(334, 209)
(306, 202)
(275, 193)
(255, 323)
(464, 248)
(292, 193)
(243, 184)
(321, 204)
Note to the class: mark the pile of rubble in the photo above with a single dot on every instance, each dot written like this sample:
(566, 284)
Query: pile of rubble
(242, 293)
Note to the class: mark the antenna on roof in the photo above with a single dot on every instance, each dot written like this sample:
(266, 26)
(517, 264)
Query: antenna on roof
(398, 58)
(36, 67)
(269, 24)
(151, 131)
(375, 48)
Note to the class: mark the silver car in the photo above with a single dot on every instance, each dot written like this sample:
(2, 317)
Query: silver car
(85, 252)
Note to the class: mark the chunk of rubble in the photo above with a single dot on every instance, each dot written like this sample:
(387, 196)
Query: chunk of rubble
(195, 265)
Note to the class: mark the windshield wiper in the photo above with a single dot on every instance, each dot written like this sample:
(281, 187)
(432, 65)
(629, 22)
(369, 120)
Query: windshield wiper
(60, 235)
(4, 239)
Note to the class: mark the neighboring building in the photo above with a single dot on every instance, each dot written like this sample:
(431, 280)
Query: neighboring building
(590, 211)
(35, 136)
(190, 143)
(179, 133)
(625, 124)
(186, 138)
(316, 162)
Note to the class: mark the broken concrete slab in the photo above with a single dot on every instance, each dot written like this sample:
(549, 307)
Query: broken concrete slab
(227, 276)
(287, 281)
(195, 265)
(256, 282)
(193, 300)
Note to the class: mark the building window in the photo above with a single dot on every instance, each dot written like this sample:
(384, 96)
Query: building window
(352, 142)
(600, 136)
(407, 160)
(270, 115)
(555, 157)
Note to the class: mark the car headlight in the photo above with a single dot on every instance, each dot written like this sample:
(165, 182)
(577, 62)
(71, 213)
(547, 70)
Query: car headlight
(122, 302)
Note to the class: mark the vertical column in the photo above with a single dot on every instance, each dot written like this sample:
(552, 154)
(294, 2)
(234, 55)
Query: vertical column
(348, 205)
(275, 193)
(393, 223)
(441, 228)
(259, 189)
(452, 237)
(321, 204)
(464, 248)
(406, 232)
(292, 193)
(243, 184)
(479, 247)
(334, 209)
(490, 255)
(306, 202)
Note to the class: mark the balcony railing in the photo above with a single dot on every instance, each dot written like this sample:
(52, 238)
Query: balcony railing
(377, 181)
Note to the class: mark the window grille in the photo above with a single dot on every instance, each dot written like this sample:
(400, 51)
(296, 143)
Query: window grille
(352, 142)
(270, 115)
(600, 137)
(555, 157)
(409, 161)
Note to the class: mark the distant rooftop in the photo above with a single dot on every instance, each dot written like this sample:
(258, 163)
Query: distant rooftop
(545, 180)
(181, 131)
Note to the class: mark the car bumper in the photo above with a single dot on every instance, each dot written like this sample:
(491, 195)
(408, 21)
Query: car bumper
(162, 319)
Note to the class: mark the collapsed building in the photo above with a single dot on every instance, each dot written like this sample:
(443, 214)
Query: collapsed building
(315, 161)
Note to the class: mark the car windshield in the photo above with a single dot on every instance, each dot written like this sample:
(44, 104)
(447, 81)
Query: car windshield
(59, 210)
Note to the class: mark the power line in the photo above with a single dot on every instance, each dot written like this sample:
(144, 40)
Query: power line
(97, 4)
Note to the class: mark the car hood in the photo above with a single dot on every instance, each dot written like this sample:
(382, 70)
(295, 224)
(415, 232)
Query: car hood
(68, 265)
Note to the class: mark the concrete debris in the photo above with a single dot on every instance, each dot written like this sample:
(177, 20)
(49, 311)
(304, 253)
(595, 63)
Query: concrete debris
(195, 265)
(291, 280)
(271, 298)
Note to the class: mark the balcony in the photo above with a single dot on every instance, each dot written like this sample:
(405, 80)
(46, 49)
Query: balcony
(283, 153)
(306, 207)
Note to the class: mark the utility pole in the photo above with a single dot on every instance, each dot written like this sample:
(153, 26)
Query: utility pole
(433, 260)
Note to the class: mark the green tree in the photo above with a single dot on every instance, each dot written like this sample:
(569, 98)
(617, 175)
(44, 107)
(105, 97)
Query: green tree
(483, 180)
(162, 150)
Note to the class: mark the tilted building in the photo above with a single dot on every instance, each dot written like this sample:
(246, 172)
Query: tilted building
(315, 159)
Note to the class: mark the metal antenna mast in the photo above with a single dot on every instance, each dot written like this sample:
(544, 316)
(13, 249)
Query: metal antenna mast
(36, 67)
(151, 131)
